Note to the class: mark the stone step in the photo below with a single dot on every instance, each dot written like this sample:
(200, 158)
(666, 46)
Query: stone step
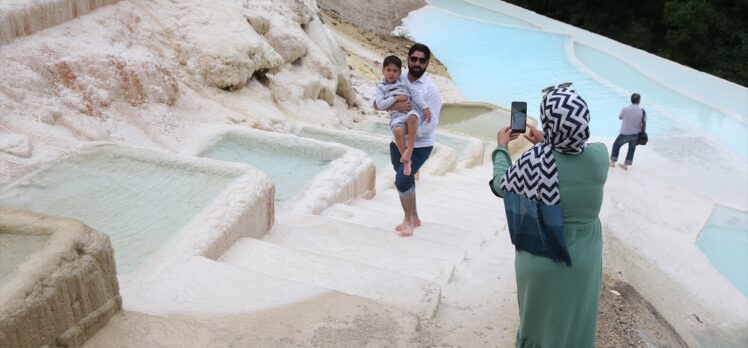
(478, 172)
(460, 238)
(409, 294)
(202, 285)
(484, 203)
(479, 190)
(467, 184)
(205, 303)
(440, 204)
(401, 261)
(429, 213)
(478, 203)
(320, 225)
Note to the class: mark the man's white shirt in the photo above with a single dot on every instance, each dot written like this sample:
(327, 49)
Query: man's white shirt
(426, 87)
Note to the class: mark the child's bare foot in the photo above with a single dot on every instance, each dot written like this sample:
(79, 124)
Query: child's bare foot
(623, 166)
(406, 167)
(612, 164)
(406, 155)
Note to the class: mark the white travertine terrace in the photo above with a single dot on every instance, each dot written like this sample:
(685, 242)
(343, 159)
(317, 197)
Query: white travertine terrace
(244, 208)
(350, 175)
(156, 73)
(149, 74)
(62, 293)
(471, 155)
(25, 17)
(442, 158)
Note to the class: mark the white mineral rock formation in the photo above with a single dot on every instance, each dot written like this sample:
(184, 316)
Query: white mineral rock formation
(62, 294)
(154, 73)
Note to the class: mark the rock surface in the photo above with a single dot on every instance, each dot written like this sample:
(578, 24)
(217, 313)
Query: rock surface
(62, 294)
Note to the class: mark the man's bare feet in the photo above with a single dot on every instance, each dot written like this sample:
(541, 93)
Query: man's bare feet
(416, 223)
(623, 166)
(406, 230)
(612, 164)
(406, 167)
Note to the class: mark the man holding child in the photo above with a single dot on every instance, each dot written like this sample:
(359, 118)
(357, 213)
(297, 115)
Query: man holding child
(419, 151)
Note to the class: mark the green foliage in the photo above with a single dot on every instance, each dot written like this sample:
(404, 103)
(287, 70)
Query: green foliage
(707, 35)
(404, 34)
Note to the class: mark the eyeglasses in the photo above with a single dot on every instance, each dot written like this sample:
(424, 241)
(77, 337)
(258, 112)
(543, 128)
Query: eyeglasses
(550, 88)
(421, 60)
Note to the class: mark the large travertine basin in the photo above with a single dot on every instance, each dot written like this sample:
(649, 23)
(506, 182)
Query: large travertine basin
(477, 119)
(309, 175)
(155, 207)
(442, 158)
(58, 284)
(469, 149)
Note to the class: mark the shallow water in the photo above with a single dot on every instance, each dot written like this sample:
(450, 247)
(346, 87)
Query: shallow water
(724, 240)
(15, 249)
(493, 58)
(291, 170)
(472, 120)
(139, 204)
(456, 143)
(501, 64)
(731, 131)
(379, 152)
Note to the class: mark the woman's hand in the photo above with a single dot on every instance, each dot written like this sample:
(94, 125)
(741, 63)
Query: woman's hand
(505, 135)
(534, 136)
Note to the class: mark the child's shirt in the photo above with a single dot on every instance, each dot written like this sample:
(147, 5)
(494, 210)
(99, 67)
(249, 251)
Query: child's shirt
(386, 92)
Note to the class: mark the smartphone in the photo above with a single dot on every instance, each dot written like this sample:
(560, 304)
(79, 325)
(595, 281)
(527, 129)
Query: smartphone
(519, 117)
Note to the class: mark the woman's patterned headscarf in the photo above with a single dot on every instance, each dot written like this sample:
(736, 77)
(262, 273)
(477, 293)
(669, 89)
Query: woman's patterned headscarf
(565, 119)
(530, 187)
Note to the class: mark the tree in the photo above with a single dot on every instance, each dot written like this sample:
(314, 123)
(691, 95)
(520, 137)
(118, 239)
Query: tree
(707, 35)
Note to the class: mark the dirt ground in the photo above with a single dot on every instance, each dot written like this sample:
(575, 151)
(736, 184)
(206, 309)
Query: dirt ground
(381, 42)
(628, 320)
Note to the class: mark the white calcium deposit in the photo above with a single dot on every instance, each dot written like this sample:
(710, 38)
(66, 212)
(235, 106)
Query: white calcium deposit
(152, 73)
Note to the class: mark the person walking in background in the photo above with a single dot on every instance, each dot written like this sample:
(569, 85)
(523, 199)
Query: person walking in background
(552, 198)
(633, 121)
(418, 61)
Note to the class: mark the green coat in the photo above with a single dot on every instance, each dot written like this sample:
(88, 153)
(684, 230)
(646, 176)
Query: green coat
(558, 304)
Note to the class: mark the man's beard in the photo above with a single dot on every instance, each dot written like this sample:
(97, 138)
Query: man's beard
(416, 72)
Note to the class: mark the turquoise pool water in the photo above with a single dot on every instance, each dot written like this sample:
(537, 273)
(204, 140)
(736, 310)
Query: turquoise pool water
(378, 150)
(15, 249)
(456, 143)
(482, 125)
(724, 240)
(497, 58)
(291, 169)
(729, 130)
(139, 204)
(503, 64)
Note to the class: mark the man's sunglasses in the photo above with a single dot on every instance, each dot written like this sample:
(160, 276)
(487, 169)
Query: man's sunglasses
(550, 88)
(421, 60)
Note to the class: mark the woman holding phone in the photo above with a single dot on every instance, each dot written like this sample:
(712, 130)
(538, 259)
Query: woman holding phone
(552, 197)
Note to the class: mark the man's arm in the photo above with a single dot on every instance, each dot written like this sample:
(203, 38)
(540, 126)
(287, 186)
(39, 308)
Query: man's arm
(434, 101)
(417, 98)
(620, 115)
